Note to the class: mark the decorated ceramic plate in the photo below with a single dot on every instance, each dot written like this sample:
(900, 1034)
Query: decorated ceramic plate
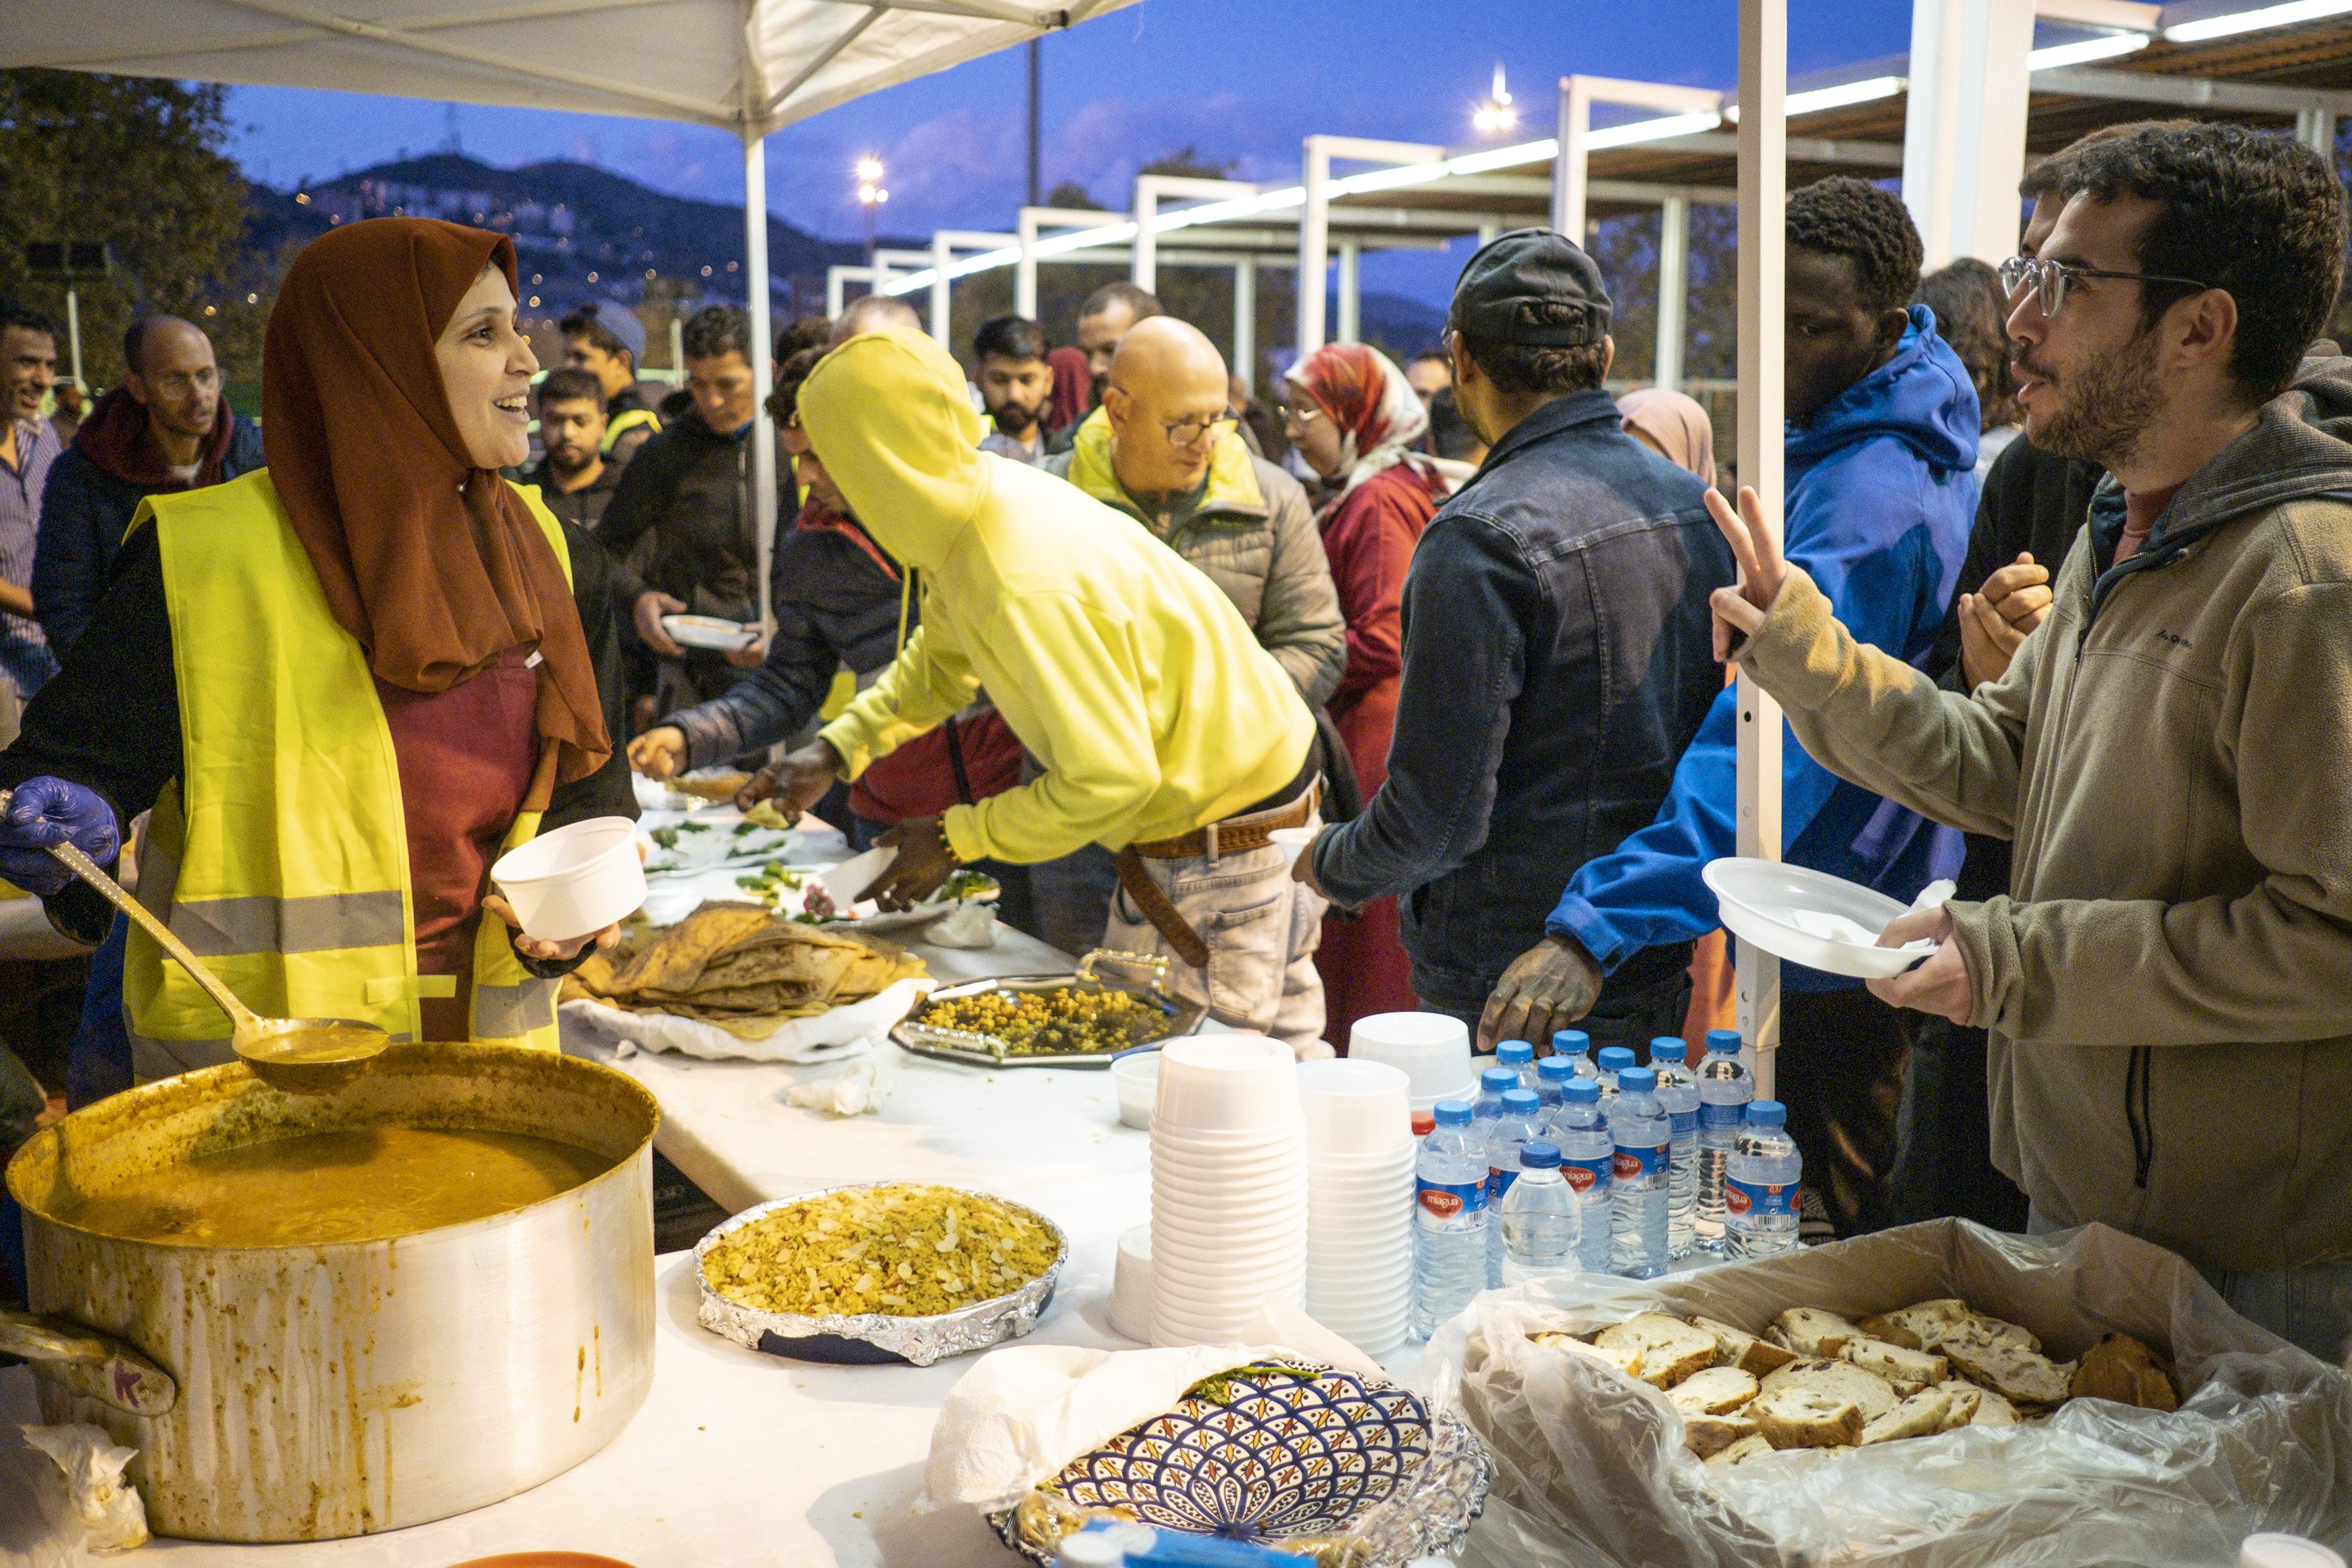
(1306, 1457)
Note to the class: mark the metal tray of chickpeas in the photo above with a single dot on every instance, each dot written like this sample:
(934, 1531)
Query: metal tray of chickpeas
(1079, 1020)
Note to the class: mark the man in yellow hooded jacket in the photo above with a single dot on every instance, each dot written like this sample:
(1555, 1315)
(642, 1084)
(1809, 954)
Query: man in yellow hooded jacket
(1165, 731)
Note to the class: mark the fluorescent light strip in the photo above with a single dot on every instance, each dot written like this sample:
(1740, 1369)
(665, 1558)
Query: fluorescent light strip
(2084, 51)
(2287, 15)
(1658, 130)
(1869, 89)
(1487, 162)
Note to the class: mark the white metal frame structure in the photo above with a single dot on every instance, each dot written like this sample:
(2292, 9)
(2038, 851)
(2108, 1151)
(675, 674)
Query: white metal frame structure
(1687, 110)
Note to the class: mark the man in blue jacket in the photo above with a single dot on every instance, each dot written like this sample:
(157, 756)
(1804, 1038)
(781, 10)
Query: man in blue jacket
(1881, 492)
(166, 428)
(1555, 662)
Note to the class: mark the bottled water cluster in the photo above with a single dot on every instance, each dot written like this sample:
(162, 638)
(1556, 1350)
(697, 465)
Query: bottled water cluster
(1598, 1165)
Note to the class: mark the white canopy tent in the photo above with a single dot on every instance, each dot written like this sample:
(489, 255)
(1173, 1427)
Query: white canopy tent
(749, 66)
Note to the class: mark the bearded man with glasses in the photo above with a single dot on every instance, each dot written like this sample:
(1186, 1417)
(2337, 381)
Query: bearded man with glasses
(2170, 752)
(1164, 450)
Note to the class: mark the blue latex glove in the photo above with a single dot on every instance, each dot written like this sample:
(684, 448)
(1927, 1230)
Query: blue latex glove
(45, 811)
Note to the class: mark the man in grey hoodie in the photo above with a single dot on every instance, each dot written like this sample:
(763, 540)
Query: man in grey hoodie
(2168, 982)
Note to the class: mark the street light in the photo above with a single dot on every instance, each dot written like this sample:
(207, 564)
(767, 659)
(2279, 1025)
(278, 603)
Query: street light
(1496, 114)
(870, 195)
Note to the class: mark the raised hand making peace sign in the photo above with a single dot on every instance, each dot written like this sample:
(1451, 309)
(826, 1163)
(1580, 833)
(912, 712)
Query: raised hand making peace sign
(1755, 542)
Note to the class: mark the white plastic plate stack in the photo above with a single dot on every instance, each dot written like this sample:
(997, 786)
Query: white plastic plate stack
(1228, 1187)
(1360, 1163)
(1430, 1049)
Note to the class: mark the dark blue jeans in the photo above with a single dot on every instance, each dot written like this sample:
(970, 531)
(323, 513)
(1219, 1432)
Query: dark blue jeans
(101, 1062)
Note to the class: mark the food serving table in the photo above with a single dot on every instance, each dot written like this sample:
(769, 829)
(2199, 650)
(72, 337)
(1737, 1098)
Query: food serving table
(738, 1458)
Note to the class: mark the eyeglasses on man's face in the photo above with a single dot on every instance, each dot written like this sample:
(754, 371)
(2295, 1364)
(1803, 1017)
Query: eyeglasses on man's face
(2049, 280)
(1191, 432)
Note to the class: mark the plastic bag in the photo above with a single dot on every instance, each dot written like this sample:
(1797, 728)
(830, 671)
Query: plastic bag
(1592, 1472)
(113, 1517)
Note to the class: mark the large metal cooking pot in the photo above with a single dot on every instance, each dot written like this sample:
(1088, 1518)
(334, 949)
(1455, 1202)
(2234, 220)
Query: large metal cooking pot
(345, 1388)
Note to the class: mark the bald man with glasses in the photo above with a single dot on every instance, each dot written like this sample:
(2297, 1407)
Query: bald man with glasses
(1164, 450)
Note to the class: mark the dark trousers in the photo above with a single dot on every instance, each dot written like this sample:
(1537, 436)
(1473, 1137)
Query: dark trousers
(1841, 1068)
(1946, 1168)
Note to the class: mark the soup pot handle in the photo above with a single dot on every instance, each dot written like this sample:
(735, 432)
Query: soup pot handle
(89, 1363)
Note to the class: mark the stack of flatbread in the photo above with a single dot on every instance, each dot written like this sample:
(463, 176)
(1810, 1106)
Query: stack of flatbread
(742, 969)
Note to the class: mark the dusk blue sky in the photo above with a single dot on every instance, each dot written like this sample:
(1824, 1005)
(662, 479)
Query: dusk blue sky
(1239, 79)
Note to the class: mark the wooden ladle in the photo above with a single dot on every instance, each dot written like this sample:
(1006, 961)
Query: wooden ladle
(297, 1056)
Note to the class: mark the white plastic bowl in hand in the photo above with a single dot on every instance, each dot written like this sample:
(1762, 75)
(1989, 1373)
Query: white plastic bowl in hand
(1810, 917)
(574, 881)
(707, 632)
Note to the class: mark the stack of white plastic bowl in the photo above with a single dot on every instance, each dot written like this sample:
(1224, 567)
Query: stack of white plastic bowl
(1359, 1181)
(1228, 1187)
(1431, 1050)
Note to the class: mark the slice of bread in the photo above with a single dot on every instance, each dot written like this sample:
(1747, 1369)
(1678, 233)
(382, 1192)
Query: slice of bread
(1625, 1359)
(2021, 1375)
(1998, 1330)
(2121, 1368)
(1883, 1327)
(1964, 1397)
(1909, 1371)
(1718, 1391)
(1707, 1435)
(1993, 1410)
(1926, 1321)
(1736, 1347)
(1670, 1348)
(1752, 1446)
(1872, 1394)
(1918, 1416)
(1798, 1416)
(1811, 1331)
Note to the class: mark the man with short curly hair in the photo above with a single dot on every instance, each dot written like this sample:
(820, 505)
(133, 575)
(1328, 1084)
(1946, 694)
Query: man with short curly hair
(1882, 451)
(2171, 752)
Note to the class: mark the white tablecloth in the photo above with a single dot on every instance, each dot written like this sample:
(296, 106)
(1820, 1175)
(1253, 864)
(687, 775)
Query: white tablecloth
(743, 1458)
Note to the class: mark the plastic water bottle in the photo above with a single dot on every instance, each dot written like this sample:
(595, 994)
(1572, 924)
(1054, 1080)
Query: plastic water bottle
(1449, 1218)
(1522, 1118)
(1521, 1057)
(1576, 1046)
(1492, 1085)
(1553, 1074)
(1541, 1217)
(1724, 1089)
(1588, 1157)
(1760, 1192)
(1641, 1176)
(1614, 1059)
(1678, 1097)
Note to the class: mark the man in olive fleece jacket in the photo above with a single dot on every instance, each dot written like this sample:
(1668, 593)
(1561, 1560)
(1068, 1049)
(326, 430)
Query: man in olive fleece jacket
(2168, 980)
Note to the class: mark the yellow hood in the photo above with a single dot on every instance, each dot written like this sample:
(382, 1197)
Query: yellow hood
(888, 416)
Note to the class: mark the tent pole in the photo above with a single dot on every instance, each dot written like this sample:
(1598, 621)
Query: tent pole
(942, 300)
(1025, 275)
(1673, 290)
(1350, 327)
(1244, 364)
(1763, 195)
(1314, 245)
(763, 376)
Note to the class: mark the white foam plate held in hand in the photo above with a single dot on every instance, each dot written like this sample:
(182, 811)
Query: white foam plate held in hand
(1810, 917)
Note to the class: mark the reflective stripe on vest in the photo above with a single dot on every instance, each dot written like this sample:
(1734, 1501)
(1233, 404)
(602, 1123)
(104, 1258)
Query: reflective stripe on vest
(622, 423)
(281, 855)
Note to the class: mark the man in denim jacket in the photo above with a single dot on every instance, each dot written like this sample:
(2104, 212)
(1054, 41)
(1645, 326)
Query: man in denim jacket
(1556, 652)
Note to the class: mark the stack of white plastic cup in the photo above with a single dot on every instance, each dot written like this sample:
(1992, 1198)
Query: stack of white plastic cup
(1432, 1049)
(1228, 1187)
(1360, 1179)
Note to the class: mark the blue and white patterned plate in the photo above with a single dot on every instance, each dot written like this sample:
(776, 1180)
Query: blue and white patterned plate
(1273, 1454)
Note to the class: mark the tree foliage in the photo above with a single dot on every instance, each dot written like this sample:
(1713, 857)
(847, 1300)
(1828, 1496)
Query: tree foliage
(137, 164)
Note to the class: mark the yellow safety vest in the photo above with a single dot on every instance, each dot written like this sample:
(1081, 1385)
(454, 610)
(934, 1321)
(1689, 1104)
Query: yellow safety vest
(281, 854)
(622, 423)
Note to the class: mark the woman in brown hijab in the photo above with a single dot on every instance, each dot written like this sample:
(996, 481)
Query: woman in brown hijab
(346, 681)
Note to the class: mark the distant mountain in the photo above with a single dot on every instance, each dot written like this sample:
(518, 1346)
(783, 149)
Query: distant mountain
(580, 231)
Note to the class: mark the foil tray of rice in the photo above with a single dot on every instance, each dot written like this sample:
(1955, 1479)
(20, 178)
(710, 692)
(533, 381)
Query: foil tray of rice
(1079, 1020)
(883, 1271)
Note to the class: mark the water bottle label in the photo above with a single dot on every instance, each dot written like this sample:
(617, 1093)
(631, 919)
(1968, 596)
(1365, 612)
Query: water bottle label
(1448, 1200)
(1720, 1117)
(1586, 1175)
(1684, 1123)
(1758, 1198)
(1632, 1163)
(1498, 1182)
